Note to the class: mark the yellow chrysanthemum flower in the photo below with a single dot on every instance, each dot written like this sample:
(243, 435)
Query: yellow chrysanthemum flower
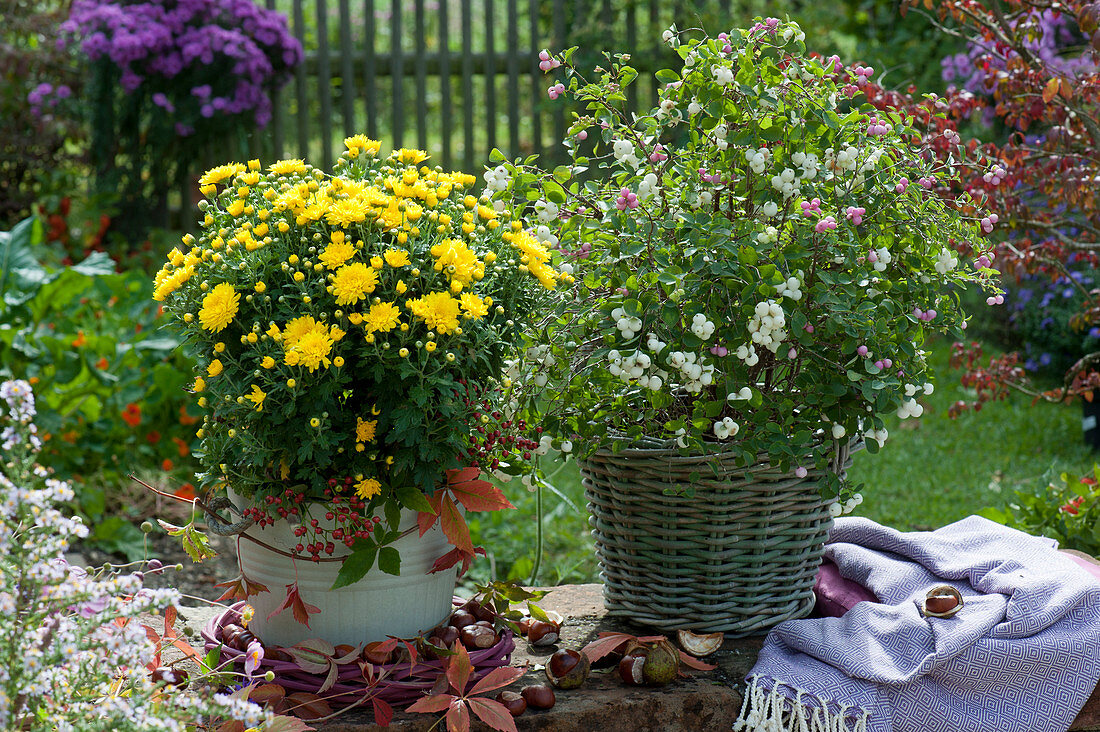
(365, 429)
(537, 255)
(391, 216)
(288, 167)
(347, 212)
(297, 328)
(544, 274)
(257, 397)
(474, 306)
(200, 384)
(362, 145)
(409, 156)
(438, 310)
(336, 254)
(455, 258)
(396, 257)
(214, 368)
(353, 282)
(382, 317)
(311, 350)
(220, 173)
(368, 488)
(219, 307)
(268, 362)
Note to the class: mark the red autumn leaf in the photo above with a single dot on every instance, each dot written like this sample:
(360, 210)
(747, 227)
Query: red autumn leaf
(1066, 88)
(459, 669)
(425, 521)
(152, 635)
(475, 494)
(454, 526)
(240, 588)
(411, 648)
(605, 644)
(695, 663)
(308, 706)
(387, 645)
(1051, 89)
(233, 725)
(266, 693)
(283, 723)
(301, 609)
(453, 557)
(458, 717)
(383, 712)
(497, 678)
(461, 475)
(493, 713)
(431, 704)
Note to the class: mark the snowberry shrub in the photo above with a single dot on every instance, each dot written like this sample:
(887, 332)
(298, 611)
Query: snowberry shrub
(761, 259)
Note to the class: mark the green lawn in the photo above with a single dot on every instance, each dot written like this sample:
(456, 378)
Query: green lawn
(936, 470)
(932, 471)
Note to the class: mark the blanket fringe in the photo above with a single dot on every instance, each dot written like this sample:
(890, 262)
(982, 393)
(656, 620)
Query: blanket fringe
(765, 709)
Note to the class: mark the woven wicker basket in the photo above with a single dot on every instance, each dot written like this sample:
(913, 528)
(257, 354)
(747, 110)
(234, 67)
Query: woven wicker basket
(738, 556)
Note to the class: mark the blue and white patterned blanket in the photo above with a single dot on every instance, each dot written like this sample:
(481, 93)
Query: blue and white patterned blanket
(1023, 655)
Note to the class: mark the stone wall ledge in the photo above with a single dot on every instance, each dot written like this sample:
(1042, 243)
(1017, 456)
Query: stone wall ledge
(705, 701)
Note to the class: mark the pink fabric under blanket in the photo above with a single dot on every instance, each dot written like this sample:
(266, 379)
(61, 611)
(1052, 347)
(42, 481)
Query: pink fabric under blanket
(837, 595)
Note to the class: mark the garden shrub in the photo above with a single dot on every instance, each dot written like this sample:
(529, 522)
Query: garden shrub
(1067, 510)
(73, 652)
(167, 79)
(1045, 95)
(112, 384)
(1040, 320)
(33, 160)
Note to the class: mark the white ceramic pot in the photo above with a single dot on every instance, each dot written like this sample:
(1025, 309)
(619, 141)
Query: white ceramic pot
(376, 606)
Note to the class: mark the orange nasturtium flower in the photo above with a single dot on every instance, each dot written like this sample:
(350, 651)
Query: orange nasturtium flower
(131, 415)
(185, 492)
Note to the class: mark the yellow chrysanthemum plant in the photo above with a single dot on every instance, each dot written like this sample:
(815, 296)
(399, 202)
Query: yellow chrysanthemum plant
(350, 332)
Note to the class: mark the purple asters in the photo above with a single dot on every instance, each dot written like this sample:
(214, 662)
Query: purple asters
(1050, 36)
(232, 51)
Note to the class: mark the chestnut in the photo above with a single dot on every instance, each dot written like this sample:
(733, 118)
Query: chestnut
(461, 618)
(476, 636)
(523, 625)
(513, 702)
(538, 696)
(630, 669)
(444, 637)
(373, 654)
(940, 603)
(567, 668)
(240, 639)
(175, 676)
(481, 612)
(542, 633)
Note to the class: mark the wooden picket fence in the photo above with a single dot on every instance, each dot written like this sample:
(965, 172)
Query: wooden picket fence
(458, 77)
